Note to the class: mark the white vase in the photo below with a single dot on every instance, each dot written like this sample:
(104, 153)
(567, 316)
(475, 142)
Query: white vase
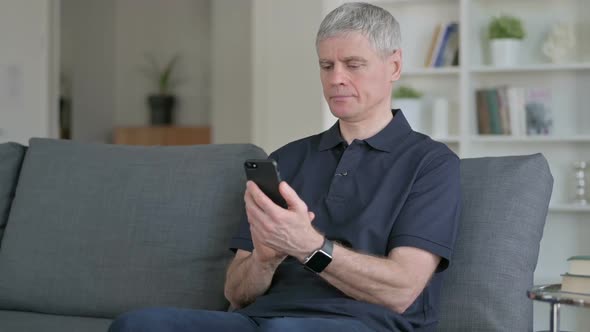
(413, 112)
(505, 52)
(440, 118)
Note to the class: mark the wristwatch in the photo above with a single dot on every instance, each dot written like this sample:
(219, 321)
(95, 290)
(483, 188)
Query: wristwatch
(319, 259)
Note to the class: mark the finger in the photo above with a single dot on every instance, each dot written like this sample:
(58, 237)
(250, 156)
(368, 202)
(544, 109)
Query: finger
(272, 210)
(291, 197)
(265, 203)
(255, 214)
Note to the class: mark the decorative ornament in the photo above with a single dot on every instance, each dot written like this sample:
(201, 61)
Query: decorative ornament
(560, 42)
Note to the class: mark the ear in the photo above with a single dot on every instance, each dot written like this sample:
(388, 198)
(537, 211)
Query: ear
(395, 63)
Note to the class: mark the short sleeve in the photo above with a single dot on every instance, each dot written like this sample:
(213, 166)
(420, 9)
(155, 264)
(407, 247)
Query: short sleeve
(243, 239)
(429, 218)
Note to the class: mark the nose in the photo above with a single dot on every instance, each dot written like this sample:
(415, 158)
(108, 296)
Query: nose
(338, 75)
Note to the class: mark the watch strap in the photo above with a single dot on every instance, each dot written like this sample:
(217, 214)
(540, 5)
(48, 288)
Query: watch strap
(320, 258)
(327, 247)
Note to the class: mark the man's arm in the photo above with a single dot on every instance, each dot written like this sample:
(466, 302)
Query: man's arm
(394, 281)
(249, 274)
(248, 277)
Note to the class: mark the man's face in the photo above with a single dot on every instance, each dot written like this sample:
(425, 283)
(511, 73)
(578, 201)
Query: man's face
(356, 80)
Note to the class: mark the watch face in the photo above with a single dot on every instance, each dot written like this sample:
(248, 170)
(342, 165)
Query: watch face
(318, 261)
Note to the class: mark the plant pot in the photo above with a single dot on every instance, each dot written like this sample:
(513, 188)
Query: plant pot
(65, 118)
(440, 117)
(505, 52)
(161, 109)
(413, 112)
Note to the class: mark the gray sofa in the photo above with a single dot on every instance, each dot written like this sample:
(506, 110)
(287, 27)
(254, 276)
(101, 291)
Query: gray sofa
(89, 231)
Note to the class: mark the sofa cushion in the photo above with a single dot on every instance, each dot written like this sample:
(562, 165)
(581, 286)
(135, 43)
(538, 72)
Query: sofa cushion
(505, 202)
(15, 321)
(11, 157)
(97, 230)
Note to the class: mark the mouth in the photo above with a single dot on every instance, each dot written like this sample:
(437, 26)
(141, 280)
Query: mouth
(340, 98)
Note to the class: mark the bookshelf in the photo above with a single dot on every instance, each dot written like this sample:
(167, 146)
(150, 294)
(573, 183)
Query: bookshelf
(530, 139)
(569, 208)
(531, 68)
(451, 71)
(568, 226)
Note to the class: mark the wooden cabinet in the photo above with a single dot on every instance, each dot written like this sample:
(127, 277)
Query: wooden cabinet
(162, 135)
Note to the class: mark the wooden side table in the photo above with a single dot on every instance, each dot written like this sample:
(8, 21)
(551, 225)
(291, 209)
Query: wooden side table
(162, 135)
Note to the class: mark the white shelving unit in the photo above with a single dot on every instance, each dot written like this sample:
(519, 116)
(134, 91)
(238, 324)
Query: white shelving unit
(568, 226)
(569, 208)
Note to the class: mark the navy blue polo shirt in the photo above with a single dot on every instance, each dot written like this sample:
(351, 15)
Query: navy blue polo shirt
(397, 188)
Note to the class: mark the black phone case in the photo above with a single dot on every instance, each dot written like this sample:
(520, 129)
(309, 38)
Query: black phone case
(265, 173)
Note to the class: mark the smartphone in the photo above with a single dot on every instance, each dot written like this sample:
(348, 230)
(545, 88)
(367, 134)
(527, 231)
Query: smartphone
(265, 173)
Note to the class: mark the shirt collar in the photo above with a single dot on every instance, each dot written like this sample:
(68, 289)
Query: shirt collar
(384, 140)
(331, 138)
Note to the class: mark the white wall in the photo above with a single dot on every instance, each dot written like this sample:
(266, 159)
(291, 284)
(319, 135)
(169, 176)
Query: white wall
(163, 28)
(266, 87)
(287, 90)
(104, 44)
(88, 63)
(232, 73)
(27, 97)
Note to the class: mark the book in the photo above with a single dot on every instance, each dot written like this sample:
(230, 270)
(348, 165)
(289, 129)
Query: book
(433, 43)
(483, 118)
(444, 45)
(579, 265)
(494, 111)
(449, 45)
(516, 110)
(537, 104)
(575, 283)
(456, 61)
(503, 109)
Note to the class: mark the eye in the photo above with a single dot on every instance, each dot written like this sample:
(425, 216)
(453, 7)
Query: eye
(326, 66)
(354, 65)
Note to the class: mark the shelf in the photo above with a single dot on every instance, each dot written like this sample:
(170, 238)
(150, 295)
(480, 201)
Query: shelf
(431, 71)
(408, 2)
(447, 140)
(530, 68)
(565, 207)
(530, 139)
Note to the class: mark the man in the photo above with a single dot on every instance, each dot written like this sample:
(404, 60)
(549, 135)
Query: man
(372, 209)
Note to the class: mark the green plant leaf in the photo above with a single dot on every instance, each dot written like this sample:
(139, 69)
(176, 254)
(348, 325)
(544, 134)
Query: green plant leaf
(163, 77)
(166, 76)
(406, 92)
(506, 26)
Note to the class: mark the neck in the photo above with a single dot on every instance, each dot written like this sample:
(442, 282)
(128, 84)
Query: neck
(365, 128)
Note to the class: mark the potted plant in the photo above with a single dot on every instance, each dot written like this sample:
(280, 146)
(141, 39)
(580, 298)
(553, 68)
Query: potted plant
(65, 107)
(506, 34)
(409, 100)
(163, 101)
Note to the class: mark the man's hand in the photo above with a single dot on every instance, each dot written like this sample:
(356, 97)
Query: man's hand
(278, 232)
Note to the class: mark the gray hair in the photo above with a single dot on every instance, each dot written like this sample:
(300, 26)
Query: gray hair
(375, 23)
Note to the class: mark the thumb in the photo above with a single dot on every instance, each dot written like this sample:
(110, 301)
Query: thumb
(291, 197)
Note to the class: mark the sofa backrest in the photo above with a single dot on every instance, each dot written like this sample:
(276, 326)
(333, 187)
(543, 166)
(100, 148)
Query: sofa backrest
(505, 203)
(96, 230)
(11, 157)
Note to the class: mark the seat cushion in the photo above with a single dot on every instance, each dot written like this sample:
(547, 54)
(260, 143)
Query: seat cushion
(15, 321)
(505, 203)
(11, 157)
(96, 230)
